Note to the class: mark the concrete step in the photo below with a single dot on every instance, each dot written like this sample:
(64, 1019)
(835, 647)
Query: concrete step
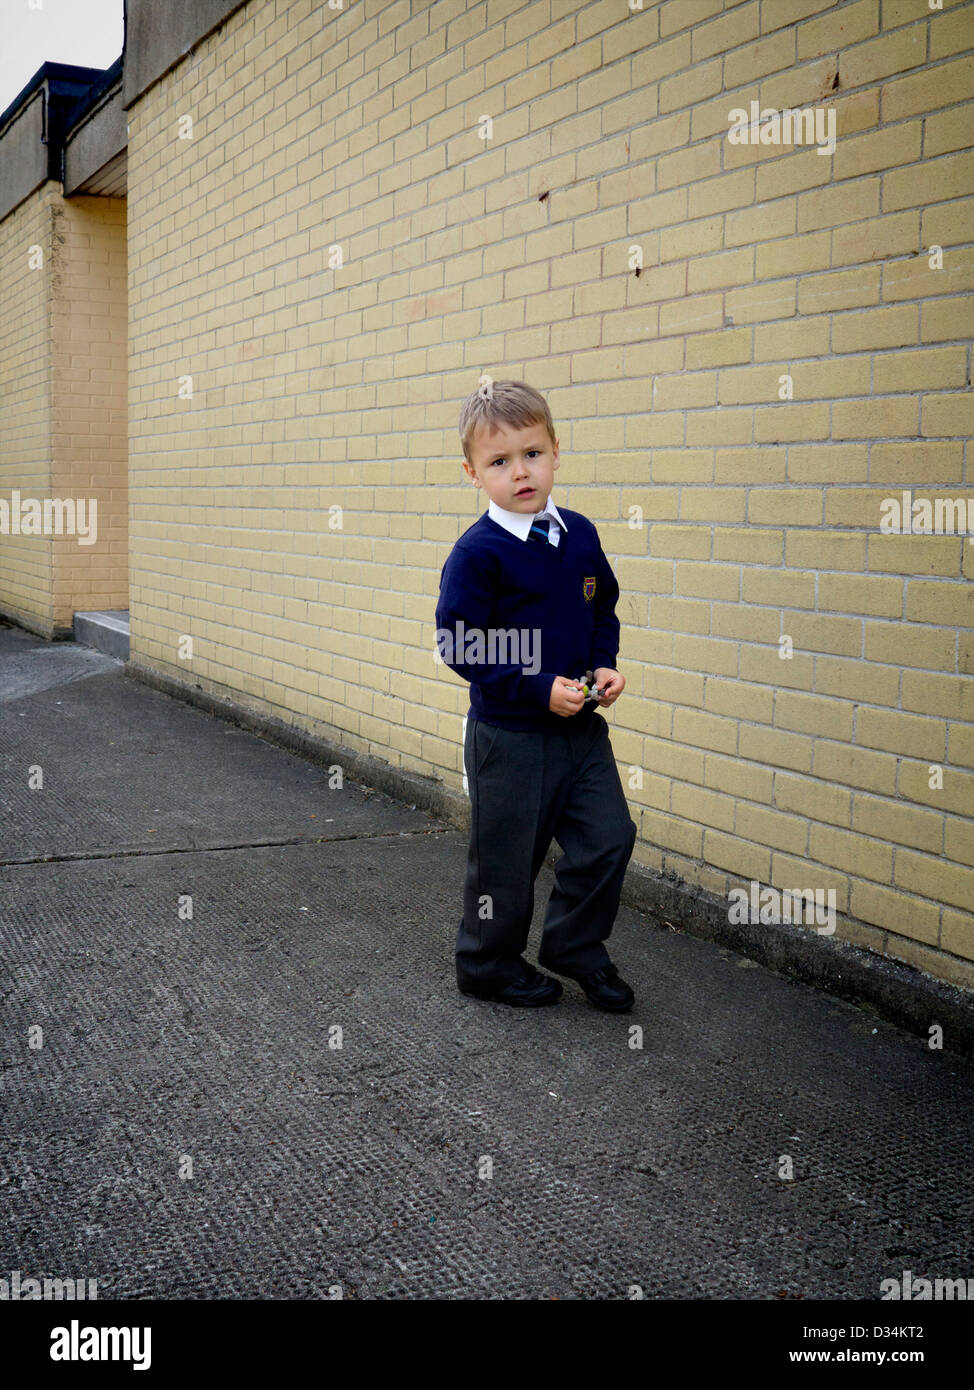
(107, 631)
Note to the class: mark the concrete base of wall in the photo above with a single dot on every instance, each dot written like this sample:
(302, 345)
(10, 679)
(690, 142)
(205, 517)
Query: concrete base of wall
(892, 990)
(106, 631)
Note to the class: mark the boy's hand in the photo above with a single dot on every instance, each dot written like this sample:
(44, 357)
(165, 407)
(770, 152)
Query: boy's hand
(567, 697)
(613, 681)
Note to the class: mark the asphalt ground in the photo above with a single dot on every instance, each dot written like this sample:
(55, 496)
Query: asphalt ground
(283, 1094)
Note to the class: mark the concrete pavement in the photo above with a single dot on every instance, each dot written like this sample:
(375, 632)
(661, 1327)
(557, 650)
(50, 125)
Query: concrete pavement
(190, 1126)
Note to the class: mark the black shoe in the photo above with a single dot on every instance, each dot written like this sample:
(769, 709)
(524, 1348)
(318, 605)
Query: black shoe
(527, 992)
(606, 989)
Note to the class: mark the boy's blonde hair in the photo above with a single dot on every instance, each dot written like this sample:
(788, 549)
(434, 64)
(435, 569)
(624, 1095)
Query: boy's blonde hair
(514, 403)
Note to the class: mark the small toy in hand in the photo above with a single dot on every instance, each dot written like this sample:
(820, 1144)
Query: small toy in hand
(587, 683)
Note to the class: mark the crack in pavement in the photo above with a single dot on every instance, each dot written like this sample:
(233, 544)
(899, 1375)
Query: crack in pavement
(145, 851)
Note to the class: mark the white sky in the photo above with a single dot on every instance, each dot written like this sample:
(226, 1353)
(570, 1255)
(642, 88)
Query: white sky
(87, 33)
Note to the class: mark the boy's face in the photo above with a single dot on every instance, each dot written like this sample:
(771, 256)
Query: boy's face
(513, 466)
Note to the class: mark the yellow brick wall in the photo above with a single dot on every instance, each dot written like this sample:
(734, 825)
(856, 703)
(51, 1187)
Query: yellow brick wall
(89, 417)
(324, 393)
(63, 361)
(26, 577)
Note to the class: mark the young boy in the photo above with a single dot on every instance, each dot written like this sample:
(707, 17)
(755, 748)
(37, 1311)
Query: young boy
(526, 607)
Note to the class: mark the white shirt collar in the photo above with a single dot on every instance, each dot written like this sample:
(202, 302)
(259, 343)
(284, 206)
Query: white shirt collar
(519, 523)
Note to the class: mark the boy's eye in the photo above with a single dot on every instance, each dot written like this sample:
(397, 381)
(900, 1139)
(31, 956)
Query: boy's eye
(530, 451)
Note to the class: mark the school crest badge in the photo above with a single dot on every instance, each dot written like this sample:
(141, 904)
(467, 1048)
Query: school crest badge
(588, 588)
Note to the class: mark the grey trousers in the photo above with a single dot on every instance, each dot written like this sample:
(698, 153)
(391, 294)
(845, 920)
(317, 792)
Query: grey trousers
(525, 790)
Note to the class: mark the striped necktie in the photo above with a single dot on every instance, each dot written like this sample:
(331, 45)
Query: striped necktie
(540, 530)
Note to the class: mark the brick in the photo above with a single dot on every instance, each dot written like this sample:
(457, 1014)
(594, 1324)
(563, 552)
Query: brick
(855, 853)
(745, 624)
(707, 504)
(685, 391)
(840, 29)
(934, 878)
(696, 313)
(947, 176)
(854, 680)
(756, 60)
(875, 419)
(721, 194)
(788, 590)
(839, 636)
(790, 12)
(678, 14)
(791, 172)
(827, 463)
(771, 827)
(950, 34)
(877, 239)
(912, 371)
(930, 648)
(702, 730)
(928, 601)
(901, 824)
(948, 415)
(822, 549)
(688, 166)
(942, 319)
(954, 796)
(774, 219)
(808, 337)
(661, 210)
(843, 289)
(894, 731)
(919, 93)
(793, 255)
(722, 348)
(662, 59)
(811, 798)
(927, 693)
(951, 130)
(897, 326)
(775, 748)
(832, 206)
(896, 911)
(791, 421)
(948, 224)
(692, 85)
(659, 136)
(957, 933)
(890, 53)
(844, 593)
(759, 303)
(728, 32)
(855, 767)
(958, 840)
(882, 149)
(725, 268)
(745, 544)
(724, 426)
(909, 554)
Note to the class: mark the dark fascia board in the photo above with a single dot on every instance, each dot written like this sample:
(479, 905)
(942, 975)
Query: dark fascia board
(32, 129)
(111, 77)
(97, 134)
(160, 33)
(64, 80)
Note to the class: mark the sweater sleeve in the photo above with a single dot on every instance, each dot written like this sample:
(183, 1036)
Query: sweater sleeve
(605, 638)
(466, 604)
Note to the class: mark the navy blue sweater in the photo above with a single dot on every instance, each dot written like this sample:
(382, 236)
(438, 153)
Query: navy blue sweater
(556, 602)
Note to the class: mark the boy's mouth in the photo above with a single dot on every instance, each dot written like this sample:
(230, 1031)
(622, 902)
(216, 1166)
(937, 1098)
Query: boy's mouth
(524, 492)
